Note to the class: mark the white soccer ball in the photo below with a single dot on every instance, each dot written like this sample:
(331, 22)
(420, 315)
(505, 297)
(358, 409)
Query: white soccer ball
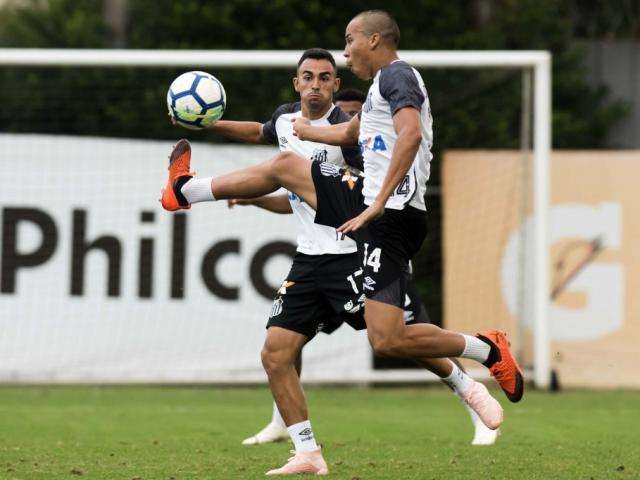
(196, 100)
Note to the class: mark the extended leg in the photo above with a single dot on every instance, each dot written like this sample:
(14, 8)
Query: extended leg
(389, 336)
(286, 169)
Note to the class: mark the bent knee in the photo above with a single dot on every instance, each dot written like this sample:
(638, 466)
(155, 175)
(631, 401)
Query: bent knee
(385, 347)
(283, 162)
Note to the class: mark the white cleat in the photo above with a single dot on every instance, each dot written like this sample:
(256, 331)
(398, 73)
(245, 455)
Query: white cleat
(271, 433)
(488, 408)
(484, 435)
(303, 462)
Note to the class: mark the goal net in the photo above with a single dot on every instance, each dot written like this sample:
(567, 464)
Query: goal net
(99, 284)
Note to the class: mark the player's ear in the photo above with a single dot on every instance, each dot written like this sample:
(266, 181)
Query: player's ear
(374, 40)
(336, 84)
(295, 84)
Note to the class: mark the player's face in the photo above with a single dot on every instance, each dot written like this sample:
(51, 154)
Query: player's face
(350, 107)
(357, 50)
(316, 83)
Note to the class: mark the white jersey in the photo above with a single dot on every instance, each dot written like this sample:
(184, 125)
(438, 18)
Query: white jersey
(313, 239)
(395, 86)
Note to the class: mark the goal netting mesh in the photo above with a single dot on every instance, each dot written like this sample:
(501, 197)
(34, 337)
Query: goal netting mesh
(99, 284)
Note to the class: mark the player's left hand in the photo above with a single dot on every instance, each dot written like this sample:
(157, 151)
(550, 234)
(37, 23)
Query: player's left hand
(375, 210)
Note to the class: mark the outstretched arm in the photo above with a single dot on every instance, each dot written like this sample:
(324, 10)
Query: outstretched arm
(248, 132)
(272, 203)
(342, 134)
(406, 123)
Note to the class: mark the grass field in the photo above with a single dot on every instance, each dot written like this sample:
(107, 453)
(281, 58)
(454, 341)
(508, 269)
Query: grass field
(182, 433)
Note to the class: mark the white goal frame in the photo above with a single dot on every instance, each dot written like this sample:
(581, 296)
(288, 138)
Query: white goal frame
(537, 61)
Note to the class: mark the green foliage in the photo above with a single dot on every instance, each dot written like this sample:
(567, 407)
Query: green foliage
(471, 109)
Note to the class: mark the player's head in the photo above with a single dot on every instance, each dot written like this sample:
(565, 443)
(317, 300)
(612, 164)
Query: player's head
(369, 35)
(316, 80)
(350, 100)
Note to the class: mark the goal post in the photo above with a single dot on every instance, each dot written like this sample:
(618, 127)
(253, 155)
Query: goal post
(538, 62)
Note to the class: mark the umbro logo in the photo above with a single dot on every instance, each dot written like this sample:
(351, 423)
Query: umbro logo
(306, 432)
(283, 140)
(369, 283)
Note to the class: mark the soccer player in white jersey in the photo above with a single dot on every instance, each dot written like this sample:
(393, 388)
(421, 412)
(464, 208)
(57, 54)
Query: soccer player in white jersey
(349, 101)
(337, 195)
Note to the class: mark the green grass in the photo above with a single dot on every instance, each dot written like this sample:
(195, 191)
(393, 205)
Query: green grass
(182, 433)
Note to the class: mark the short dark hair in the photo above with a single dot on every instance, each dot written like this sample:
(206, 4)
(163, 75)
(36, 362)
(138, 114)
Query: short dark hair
(350, 95)
(317, 54)
(382, 22)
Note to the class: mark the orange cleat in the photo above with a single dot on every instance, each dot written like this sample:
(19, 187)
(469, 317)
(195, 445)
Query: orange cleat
(505, 370)
(303, 462)
(179, 165)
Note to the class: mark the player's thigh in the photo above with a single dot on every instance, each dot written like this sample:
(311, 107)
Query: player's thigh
(293, 172)
(385, 324)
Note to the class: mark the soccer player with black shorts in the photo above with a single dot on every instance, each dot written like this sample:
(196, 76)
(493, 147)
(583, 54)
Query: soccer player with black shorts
(313, 275)
(323, 288)
(407, 129)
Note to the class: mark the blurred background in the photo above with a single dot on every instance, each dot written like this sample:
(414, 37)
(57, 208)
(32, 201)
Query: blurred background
(595, 97)
(100, 286)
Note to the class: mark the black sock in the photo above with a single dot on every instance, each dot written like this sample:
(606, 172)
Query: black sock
(494, 353)
(177, 189)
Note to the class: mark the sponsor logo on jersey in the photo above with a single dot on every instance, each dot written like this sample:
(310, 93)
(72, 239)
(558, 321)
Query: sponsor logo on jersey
(283, 288)
(368, 283)
(319, 155)
(372, 143)
(276, 308)
(329, 170)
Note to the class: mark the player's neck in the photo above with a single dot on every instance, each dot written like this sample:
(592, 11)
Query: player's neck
(313, 114)
(386, 57)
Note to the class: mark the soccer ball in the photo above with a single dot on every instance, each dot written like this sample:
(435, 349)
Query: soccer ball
(196, 100)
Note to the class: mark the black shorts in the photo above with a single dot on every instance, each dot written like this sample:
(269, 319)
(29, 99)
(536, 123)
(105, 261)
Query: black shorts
(386, 245)
(320, 292)
(413, 309)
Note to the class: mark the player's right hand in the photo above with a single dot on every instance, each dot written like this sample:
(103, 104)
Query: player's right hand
(299, 126)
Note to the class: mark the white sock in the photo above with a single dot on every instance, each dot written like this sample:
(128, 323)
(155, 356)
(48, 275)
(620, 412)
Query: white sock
(198, 190)
(458, 380)
(302, 436)
(475, 349)
(276, 418)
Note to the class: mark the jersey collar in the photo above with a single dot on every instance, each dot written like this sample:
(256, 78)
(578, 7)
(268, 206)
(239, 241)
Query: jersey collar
(326, 115)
